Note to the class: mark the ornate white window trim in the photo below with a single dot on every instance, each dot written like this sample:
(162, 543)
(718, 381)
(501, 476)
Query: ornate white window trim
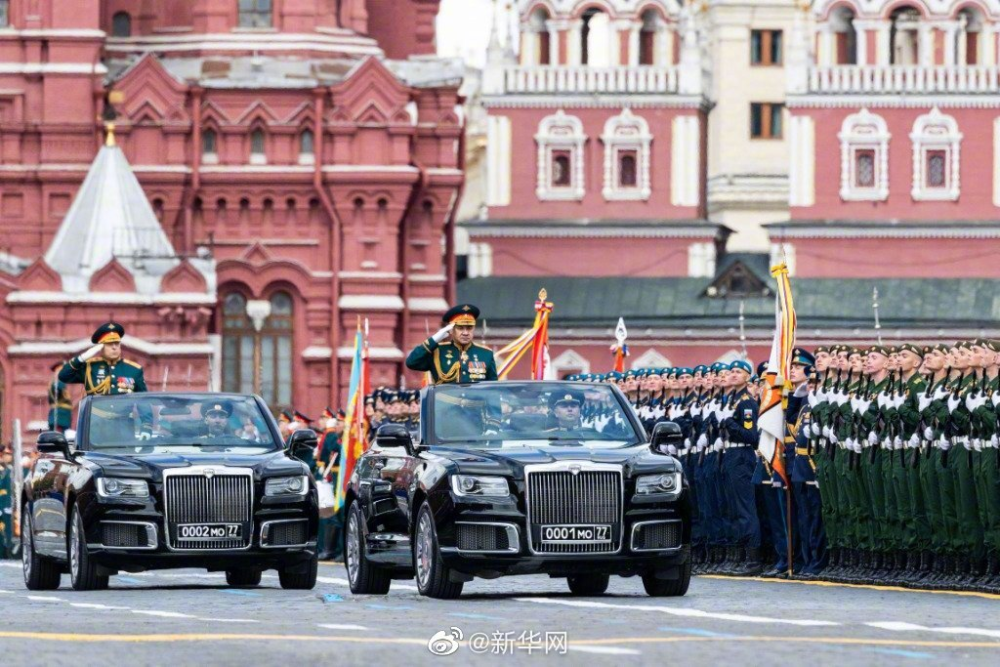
(651, 358)
(557, 133)
(864, 131)
(936, 131)
(626, 132)
(570, 360)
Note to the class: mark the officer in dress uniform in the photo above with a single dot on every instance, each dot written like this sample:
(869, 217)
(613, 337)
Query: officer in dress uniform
(60, 405)
(102, 370)
(805, 493)
(450, 355)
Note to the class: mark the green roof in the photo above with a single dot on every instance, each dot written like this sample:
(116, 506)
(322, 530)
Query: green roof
(676, 302)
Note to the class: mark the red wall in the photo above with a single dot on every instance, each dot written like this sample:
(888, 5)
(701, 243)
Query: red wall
(524, 179)
(976, 198)
(897, 258)
(646, 257)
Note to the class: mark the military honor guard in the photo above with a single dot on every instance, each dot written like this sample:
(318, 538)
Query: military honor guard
(450, 355)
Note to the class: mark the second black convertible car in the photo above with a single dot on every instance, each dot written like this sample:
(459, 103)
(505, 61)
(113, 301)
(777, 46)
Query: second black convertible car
(506, 478)
(170, 480)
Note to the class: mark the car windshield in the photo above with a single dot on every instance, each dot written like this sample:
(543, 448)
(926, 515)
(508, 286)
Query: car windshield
(530, 414)
(155, 423)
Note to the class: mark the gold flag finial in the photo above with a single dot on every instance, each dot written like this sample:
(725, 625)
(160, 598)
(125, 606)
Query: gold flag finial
(542, 294)
(109, 138)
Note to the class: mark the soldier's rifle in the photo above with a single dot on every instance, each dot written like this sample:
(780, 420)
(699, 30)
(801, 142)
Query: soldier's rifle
(951, 428)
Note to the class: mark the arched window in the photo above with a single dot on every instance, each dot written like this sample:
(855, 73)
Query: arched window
(595, 39)
(560, 141)
(256, 14)
(845, 36)
(971, 25)
(257, 347)
(936, 157)
(538, 42)
(121, 25)
(209, 147)
(864, 157)
(647, 37)
(257, 154)
(4, 13)
(904, 39)
(307, 147)
(626, 157)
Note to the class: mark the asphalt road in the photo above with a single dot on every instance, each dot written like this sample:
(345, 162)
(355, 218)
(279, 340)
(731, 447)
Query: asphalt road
(187, 617)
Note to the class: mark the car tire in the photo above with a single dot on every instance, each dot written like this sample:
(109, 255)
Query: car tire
(82, 570)
(363, 577)
(40, 574)
(243, 576)
(431, 573)
(588, 584)
(293, 580)
(668, 588)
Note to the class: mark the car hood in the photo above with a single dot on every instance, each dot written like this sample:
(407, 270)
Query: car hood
(151, 466)
(511, 461)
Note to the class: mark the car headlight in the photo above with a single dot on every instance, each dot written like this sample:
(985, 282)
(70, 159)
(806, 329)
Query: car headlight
(476, 486)
(119, 487)
(666, 483)
(287, 486)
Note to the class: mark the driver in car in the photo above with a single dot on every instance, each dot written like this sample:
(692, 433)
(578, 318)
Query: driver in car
(216, 416)
(565, 407)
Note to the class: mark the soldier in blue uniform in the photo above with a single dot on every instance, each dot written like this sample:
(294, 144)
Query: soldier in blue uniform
(738, 467)
(60, 406)
(450, 355)
(802, 473)
(102, 370)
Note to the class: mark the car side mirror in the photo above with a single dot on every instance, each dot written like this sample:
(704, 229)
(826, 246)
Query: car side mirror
(394, 435)
(305, 439)
(664, 435)
(53, 442)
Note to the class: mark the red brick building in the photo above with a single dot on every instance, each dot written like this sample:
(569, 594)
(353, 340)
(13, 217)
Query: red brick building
(300, 160)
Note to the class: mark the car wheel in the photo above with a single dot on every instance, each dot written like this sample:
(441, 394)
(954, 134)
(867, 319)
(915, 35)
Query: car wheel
(82, 570)
(588, 584)
(299, 577)
(431, 573)
(364, 578)
(243, 576)
(40, 574)
(662, 588)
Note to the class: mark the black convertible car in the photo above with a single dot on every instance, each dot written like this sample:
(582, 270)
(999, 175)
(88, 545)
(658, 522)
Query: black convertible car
(520, 478)
(170, 480)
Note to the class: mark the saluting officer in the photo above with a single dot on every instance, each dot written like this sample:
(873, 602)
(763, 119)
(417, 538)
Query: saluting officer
(450, 355)
(102, 370)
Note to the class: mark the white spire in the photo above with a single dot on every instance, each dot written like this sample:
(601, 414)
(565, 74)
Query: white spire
(494, 52)
(110, 218)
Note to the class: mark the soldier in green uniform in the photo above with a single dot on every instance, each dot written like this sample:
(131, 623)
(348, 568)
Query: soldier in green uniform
(6, 503)
(102, 370)
(450, 355)
(327, 469)
(60, 405)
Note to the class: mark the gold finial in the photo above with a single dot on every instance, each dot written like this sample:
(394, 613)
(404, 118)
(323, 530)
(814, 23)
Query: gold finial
(542, 294)
(109, 139)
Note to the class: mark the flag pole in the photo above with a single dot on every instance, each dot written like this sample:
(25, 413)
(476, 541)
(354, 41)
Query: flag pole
(878, 325)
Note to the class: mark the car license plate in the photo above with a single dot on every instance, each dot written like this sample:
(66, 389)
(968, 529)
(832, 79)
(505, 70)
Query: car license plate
(576, 534)
(209, 531)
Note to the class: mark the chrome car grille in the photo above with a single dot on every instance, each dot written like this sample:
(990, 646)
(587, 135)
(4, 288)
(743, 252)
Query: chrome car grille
(591, 496)
(191, 497)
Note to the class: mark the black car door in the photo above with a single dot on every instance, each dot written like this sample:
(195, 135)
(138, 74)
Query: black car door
(49, 486)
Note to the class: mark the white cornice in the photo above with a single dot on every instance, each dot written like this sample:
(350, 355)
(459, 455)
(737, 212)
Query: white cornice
(314, 352)
(370, 302)
(374, 353)
(892, 101)
(778, 231)
(427, 305)
(113, 298)
(539, 230)
(73, 347)
(593, 101)
(96, 69)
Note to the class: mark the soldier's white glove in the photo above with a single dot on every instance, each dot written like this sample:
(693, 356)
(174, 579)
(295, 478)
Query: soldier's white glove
(672, 450)
(443, 333)
(872, 438)
(897, 442)
(145, 435)
(923, 402)
(687, 443)
(977, 444)
(92, 352)
(913, 442)
(928, 433)
(953, 403)
(816, 429)
(996, 399)
(827, 433)
(994, 441)
(964, 441)
(944, 444)
(702, 441)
